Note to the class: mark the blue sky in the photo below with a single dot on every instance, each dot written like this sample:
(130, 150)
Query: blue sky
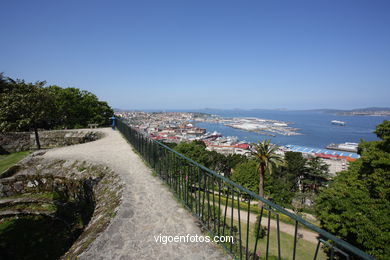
(190, 54)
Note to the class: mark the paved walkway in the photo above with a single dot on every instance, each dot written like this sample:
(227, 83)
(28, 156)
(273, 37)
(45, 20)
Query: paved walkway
(148, 208)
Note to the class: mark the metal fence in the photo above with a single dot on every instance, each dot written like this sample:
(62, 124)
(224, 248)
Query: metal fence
(261, 229)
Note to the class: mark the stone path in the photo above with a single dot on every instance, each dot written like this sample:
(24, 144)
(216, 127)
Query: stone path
(148, 208)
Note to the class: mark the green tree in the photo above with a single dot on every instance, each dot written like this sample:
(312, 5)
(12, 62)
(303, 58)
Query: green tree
(356, 205)
(4, 83)
(76, 108)
(280, 189)
(383, 132)
(194, 151)
(293, 169)
(316, 175)
(25, 106)
(267, 159)
(294, 165)
(246, 174)
(232, 160)
(217, 162)
(284, 180)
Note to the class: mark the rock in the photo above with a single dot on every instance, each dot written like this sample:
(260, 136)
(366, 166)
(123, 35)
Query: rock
(18, 186)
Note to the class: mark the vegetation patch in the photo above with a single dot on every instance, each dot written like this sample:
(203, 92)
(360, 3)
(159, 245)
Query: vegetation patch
(8, 160)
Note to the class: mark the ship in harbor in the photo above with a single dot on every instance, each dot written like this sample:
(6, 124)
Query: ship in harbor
(348, 147)
(337, 122)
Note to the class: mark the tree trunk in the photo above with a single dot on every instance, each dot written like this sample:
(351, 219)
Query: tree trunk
(261, 184)
(37, 138)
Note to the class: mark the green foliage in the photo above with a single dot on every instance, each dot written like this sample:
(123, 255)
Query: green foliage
(280, 186)
(195, 152)
(316, 175)
(285, 178)
(280, 190)
(77, 108)
(383, 132)
(8, 160)
(232, 160)
(267, 159)
(265, 154)
(247, 175)
(25, 106)
(356, 206)
(218, 162)
(312, 174)
(171, 145)
(259, 232)
(295, 164)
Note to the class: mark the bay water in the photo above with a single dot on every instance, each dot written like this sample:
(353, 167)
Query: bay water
(315, 126)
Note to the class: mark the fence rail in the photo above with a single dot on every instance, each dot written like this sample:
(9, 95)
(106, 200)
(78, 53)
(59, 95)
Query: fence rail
(224, 208)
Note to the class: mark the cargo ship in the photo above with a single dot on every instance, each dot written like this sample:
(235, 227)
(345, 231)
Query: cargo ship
(337, 122)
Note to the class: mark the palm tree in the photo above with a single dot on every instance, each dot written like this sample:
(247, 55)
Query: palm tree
(267, 158)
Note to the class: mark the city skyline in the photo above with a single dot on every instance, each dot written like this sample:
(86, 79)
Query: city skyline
(198, 54)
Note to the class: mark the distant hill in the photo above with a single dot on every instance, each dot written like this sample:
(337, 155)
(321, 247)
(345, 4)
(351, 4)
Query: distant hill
(368, 111)
(325, 110)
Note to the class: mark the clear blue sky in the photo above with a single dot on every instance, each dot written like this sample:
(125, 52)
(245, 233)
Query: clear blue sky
(190, 54)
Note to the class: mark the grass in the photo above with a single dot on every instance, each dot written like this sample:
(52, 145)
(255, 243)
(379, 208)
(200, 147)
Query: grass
(254, 209)
(32, 207)
(305, 249)
(38, 195)
(4, 224)
(8, 160)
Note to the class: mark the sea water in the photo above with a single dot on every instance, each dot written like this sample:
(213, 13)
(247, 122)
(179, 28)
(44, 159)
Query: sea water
(315, 126)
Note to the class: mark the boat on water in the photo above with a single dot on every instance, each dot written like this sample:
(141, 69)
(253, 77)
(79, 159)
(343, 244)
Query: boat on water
(212, 135)
(337, 122)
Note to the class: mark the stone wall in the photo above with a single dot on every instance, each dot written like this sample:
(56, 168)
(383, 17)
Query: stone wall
(20, 184)
(14, 142)
(22, 141)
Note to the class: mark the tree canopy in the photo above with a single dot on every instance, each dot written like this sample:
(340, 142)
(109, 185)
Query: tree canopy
(356, 205)
(247, 175)
(25, 106)
(77, 108)
(196, 150)
(267, 158)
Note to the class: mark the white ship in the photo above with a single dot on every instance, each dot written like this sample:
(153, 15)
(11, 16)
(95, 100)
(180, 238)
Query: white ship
(337, 122)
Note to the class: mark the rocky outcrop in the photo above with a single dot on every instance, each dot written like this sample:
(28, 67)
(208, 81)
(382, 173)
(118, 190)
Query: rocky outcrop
(22, 141)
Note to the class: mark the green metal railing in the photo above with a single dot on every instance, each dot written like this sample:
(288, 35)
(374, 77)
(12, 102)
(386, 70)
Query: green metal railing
(227, 209)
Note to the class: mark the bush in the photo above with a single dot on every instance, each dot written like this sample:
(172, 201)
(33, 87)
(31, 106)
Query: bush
(259, 232)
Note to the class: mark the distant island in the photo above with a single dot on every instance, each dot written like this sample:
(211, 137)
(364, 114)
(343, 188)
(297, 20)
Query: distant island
(369, 111)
